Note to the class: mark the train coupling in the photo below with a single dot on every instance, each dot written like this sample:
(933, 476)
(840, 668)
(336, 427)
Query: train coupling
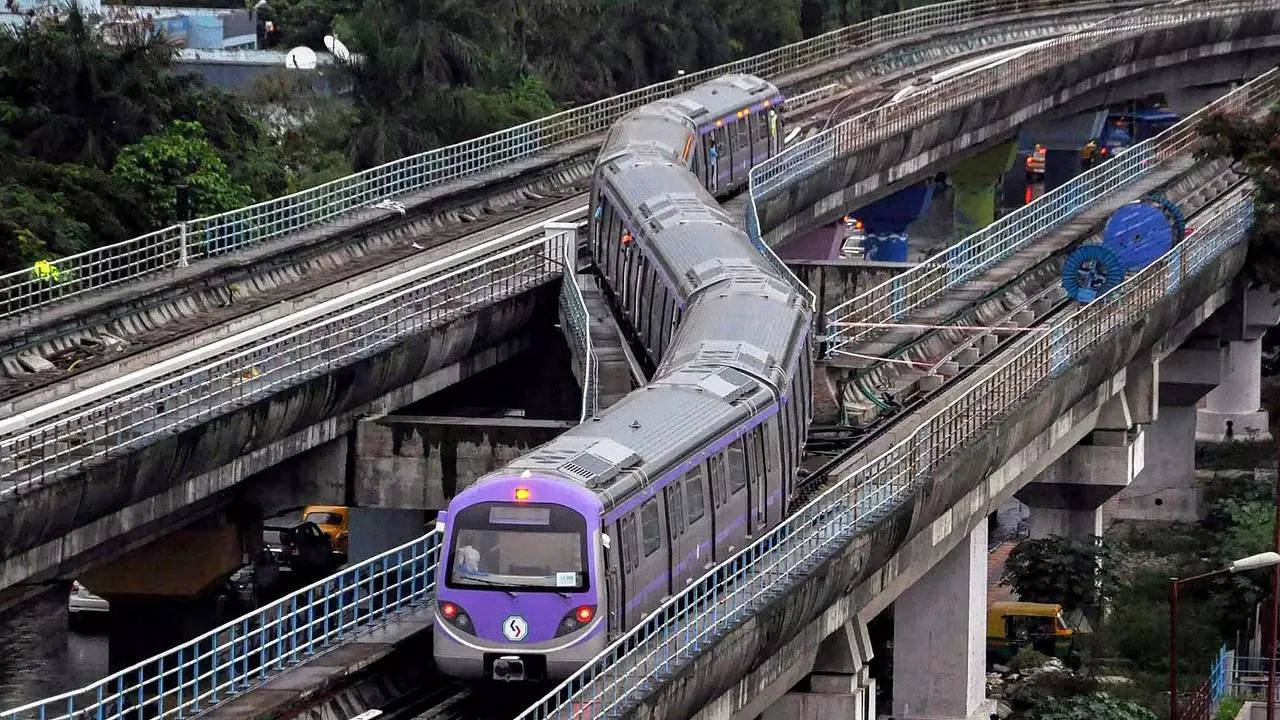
(509, 668)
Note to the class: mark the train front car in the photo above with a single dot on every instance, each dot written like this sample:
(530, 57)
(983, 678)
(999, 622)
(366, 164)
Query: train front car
(521, 586)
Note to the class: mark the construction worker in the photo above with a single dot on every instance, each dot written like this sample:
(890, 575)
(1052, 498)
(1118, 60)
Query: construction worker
(773, 132)
(713, 157)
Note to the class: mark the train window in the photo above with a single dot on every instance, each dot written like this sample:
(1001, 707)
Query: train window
(531, 547)
(675, 509)
(737, 461)
(761, 124)
(650, 527)
(693, 494)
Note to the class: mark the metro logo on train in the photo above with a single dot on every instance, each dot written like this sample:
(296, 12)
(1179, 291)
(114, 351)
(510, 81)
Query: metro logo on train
(515, 628)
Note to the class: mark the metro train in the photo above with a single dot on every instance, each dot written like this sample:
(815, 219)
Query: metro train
(548, 559)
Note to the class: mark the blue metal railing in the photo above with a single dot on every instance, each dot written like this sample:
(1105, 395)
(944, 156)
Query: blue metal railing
(231, 660)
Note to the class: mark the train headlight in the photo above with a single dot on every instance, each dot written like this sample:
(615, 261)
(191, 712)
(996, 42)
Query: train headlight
(575, 619)
(455, 615)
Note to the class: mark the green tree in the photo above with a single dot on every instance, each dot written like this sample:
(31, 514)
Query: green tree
(36, 225)
(1076, 574)
(70, 101)
(1252, 142)
(181, 154)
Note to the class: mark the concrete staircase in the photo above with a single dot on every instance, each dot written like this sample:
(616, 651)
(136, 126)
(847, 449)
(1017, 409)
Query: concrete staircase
(606, 341)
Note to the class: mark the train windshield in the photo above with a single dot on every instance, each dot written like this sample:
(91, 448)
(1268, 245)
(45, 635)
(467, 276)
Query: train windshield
(525, 546)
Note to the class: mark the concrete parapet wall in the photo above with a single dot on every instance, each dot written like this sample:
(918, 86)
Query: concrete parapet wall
(730, 678)
(45, 531)
(923, 149)
(421, 462)
(834, 281)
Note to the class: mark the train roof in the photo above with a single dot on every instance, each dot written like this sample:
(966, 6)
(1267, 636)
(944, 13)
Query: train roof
(650, 427)
(653, 128)
(724, 96)
(757, 324)
(679, 226)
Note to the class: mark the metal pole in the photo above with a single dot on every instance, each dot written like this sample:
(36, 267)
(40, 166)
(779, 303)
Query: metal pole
(1271, 623)
(1173, 649)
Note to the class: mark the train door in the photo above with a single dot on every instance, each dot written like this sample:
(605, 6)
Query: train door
(651, 580)
(686, 513)
(614, 568)
(729, 500)
(759, 138)
(629, 550)
(676, 535)
(657, 309)
(773, 466)
(695, 158)
(756, 481)
(699, 520)
(719, 163)
(741, 150)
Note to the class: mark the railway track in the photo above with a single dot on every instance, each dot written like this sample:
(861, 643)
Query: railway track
(1010, 314)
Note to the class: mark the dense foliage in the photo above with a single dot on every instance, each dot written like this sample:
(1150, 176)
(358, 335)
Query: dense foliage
(1076, 574)
(72, 105)
(1255, 143)
(1096, 706)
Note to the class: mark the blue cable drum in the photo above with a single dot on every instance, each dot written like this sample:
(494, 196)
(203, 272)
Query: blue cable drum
(1140, 232)
(1136, 235)
(1090, 271)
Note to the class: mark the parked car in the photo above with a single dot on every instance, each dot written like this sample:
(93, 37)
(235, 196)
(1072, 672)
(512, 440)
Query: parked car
(299, 547)
(335, 522)
(82, 606)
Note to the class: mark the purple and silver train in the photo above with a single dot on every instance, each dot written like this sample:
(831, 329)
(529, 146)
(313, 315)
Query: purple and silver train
(548, 559)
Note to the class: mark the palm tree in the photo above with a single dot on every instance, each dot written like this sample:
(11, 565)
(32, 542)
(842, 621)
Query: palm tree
(89, 97)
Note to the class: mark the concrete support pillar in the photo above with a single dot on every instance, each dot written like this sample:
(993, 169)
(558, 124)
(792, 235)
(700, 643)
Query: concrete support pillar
(1238, 398)
(885, 222)
(1063, 138)
(939, 638)
(1239, 325)
(974, 181)
(1067, 498)
(167, 592)
(840, 685)
(1060, 166)
(1166, 488)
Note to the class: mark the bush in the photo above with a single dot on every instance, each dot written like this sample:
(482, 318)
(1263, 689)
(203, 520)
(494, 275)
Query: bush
(1097, 706)
(1229, 709)
(1027, 659)
(1243, 454)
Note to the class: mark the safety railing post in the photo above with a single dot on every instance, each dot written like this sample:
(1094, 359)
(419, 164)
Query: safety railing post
(183, 256)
